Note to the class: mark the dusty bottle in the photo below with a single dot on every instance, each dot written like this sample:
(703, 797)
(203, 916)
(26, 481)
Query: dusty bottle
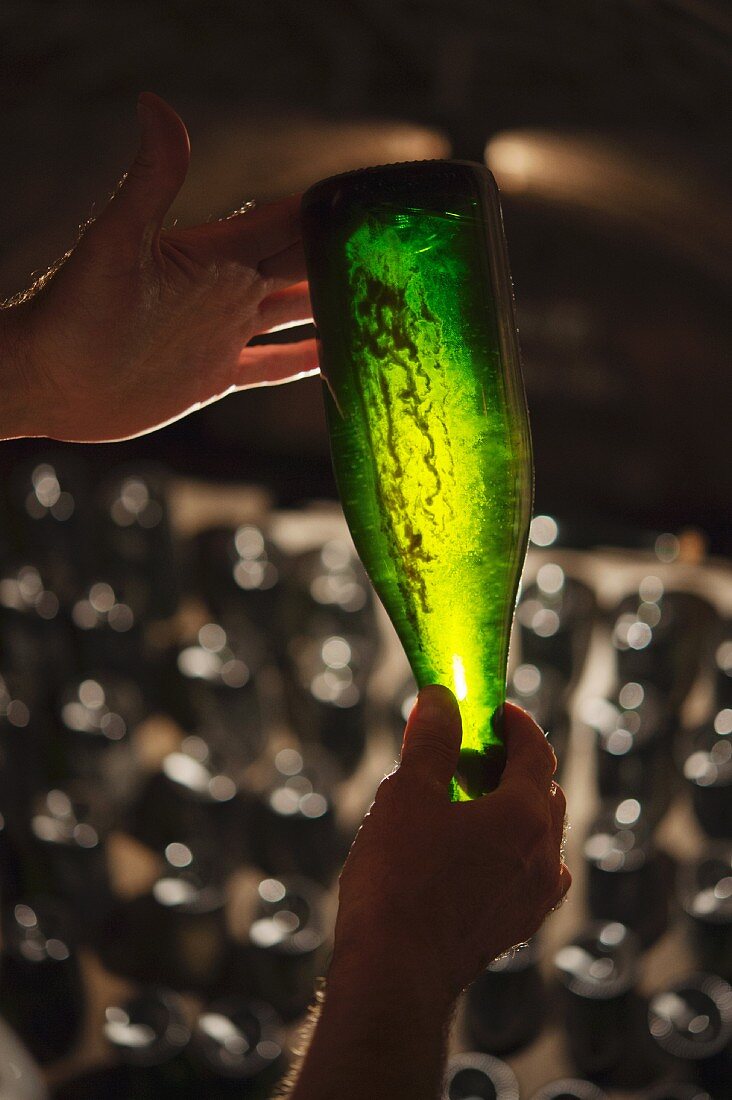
(427, 417)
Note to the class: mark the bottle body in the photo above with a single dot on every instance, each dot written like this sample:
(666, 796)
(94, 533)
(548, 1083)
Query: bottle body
(427, 418)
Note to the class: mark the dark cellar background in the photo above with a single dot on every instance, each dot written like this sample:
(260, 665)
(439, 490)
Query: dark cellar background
(617, 219)
(198, 691)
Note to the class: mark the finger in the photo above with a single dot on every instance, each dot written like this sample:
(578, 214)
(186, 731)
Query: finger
(158, 171)
(287, 266)
(273, 364)
(557, 803)
(291, 304)
(432, 736)
(565, 881)
(558, 815)
(258, 232)
(530, 759)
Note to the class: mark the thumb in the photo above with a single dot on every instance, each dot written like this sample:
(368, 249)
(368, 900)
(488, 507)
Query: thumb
(157, 173)
(432, 736)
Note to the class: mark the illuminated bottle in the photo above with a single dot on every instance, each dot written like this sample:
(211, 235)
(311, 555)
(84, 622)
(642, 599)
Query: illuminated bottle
(427, 416)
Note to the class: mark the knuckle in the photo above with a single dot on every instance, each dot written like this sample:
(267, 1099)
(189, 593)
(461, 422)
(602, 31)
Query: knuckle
(521, 727)
(552, 855)
(429, 739)
(547, 759)
(427, 754)
(534, 825)
(560, 800)
(388, 791)
(556, 881)
(550, 875)
(525, 822)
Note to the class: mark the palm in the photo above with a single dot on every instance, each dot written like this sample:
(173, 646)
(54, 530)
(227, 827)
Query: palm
(141, 325)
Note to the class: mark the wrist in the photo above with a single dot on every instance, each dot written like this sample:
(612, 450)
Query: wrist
(399, 946)
(403, 979)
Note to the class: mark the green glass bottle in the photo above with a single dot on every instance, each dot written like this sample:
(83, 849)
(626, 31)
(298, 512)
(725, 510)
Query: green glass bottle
(427, 416)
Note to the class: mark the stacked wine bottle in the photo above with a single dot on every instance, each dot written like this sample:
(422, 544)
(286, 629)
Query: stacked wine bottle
(193, 720)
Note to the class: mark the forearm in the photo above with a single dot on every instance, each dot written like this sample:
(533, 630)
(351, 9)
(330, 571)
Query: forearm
(379, 1033)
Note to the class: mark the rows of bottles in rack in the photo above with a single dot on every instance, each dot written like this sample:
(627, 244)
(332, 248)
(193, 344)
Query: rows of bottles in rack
(290, 636)
(90, 649)
(664, 644)
(87, 659)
